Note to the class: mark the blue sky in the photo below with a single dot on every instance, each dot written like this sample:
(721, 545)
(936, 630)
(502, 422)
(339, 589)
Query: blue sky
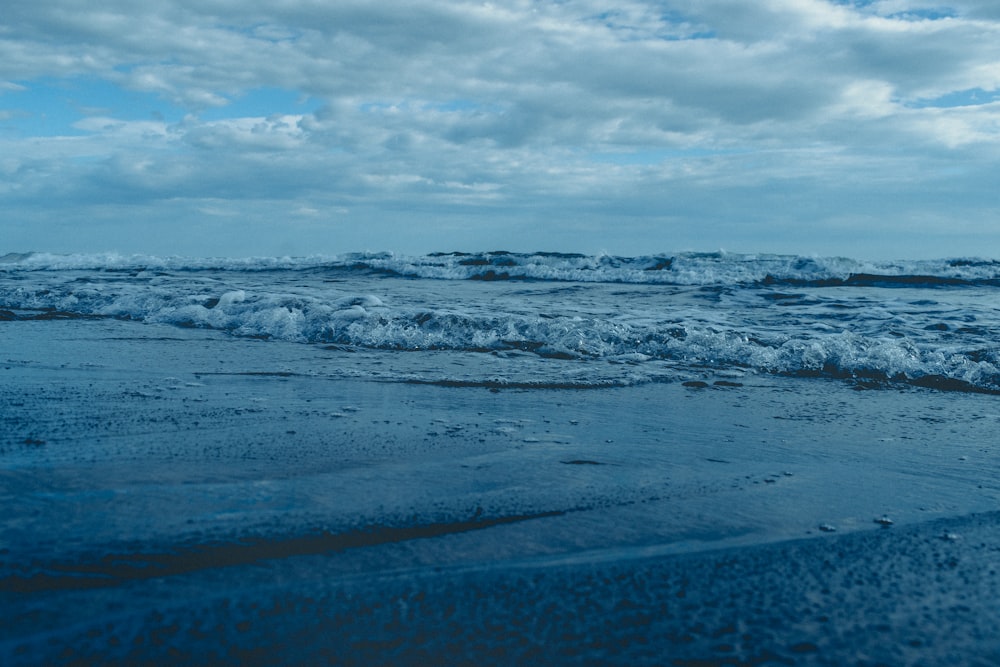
(866, 129)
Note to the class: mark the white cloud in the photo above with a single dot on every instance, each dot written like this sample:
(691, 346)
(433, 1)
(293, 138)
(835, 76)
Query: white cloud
(561, 111)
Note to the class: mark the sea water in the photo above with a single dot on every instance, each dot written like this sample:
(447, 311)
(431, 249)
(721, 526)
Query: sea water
(510, 319)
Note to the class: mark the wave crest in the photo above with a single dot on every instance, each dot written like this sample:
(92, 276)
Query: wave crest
(718, 268)
(365, 321)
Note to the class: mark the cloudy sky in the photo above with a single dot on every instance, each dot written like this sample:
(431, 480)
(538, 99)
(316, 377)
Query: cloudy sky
(272, 127)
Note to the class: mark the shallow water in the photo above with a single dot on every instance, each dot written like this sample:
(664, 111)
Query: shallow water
(134, 437)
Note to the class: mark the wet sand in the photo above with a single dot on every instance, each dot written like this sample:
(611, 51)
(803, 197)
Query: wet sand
(923, 594)
(181, 495)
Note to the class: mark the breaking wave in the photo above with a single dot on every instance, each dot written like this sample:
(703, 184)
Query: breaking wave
(687, 269)
(875, 352)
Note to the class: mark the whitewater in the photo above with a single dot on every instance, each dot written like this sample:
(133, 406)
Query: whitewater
(597, 320)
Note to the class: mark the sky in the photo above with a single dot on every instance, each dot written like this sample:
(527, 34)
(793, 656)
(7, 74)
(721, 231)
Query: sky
(868, 129)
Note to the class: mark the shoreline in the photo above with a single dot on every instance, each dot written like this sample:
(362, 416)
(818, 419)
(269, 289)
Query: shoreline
(363, 510)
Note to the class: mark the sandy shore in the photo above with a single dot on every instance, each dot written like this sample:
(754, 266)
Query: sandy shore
(175, 495)
(921, 594)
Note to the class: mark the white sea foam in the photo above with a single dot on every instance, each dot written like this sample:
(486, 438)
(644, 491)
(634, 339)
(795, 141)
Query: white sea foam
(735, 314)
(677, 269)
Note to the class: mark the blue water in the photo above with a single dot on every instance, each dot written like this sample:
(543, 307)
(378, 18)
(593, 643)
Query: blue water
(560, 319)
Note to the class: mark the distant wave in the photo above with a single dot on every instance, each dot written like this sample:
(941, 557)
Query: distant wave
(667, 269)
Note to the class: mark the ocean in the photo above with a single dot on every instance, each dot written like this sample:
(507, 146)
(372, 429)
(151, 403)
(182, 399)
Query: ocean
(552, 319)
(498, 458)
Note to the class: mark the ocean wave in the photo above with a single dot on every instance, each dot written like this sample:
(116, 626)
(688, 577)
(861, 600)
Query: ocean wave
(685, 269)
(963, 358)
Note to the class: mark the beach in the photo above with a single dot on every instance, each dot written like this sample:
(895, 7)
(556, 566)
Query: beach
(543, 333)
(181, 495)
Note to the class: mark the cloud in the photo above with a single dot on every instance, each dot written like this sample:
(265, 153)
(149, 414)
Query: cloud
(744, 115)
